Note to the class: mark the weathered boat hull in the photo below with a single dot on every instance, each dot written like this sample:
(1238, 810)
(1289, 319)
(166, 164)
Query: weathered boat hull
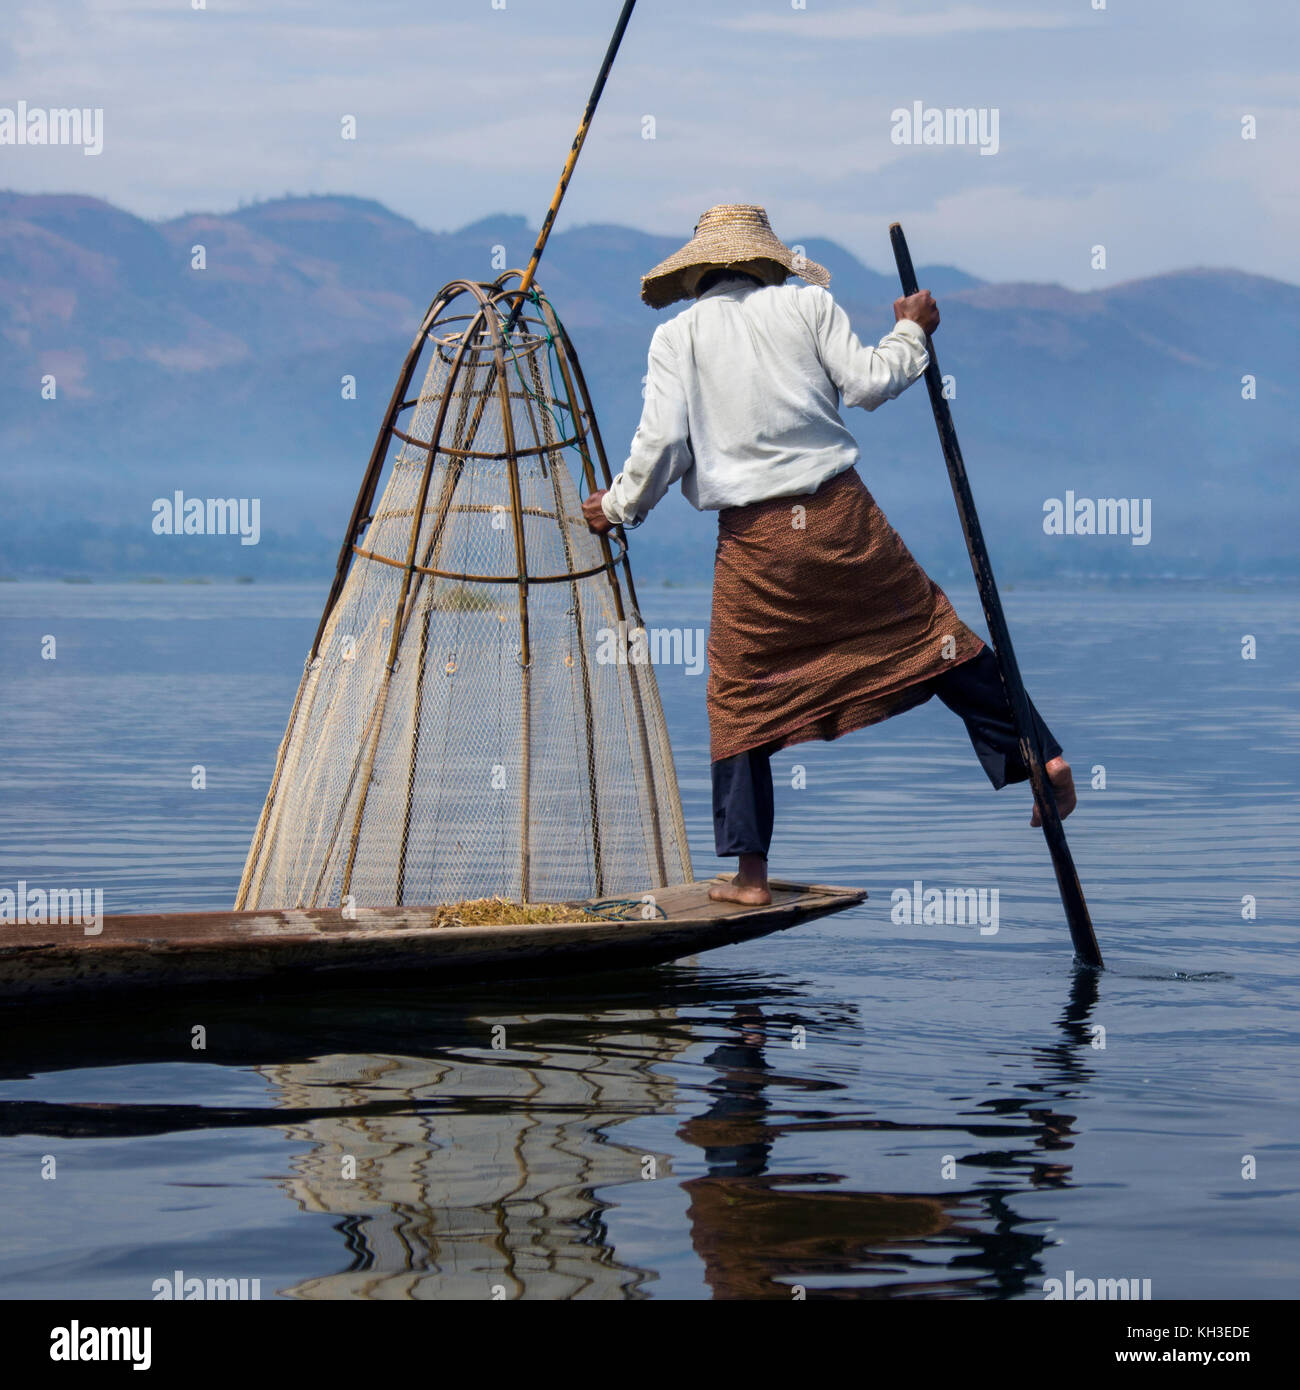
(285, 948)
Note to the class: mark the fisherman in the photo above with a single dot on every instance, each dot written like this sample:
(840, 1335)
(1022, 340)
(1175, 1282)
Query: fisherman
(822, 621)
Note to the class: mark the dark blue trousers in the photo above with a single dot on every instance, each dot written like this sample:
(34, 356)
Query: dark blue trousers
(743, 808)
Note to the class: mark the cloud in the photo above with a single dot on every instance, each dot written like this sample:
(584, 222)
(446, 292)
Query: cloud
(900, 23)
(1121, 124)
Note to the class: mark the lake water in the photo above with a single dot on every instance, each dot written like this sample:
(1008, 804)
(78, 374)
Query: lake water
(864, 1108)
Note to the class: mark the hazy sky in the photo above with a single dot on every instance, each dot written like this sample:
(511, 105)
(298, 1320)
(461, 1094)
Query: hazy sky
(1120, 126)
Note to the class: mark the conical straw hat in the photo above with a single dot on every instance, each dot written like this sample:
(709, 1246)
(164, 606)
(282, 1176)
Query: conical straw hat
(731, 234)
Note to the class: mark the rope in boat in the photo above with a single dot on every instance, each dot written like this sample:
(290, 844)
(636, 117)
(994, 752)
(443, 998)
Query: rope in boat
(623, 909)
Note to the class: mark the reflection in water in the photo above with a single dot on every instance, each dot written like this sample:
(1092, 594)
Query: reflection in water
(814, 1167)
(490, 1174)
(498, 1189)
(761, 1233)
(756, 1237)
(454, 1170)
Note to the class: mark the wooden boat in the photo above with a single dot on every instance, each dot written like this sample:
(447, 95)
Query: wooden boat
(285, 948)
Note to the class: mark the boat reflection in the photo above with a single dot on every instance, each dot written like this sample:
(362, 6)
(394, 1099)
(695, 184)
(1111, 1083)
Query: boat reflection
(453, 1168)
(505, 1193)
(493, 1194)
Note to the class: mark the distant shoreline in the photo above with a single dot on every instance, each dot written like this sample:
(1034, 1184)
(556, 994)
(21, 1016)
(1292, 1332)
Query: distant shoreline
(1038, 582)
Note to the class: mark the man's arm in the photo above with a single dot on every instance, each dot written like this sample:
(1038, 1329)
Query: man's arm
(870, 376)
(661, 449)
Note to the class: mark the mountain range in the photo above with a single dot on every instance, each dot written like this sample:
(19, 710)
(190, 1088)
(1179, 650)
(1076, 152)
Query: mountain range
(225, 381)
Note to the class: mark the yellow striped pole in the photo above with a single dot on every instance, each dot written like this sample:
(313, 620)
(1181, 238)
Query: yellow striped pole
(575, 150)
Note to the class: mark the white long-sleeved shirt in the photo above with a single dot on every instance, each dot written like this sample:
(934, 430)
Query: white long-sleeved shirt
(742, 397)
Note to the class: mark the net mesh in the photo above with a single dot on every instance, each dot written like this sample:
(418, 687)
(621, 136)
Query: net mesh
(514, 745)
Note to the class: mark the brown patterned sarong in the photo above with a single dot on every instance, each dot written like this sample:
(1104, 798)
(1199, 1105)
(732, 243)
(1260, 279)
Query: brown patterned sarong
(822, 621)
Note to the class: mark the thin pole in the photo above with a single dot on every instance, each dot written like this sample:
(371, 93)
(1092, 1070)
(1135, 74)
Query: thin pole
(501, 384)
(417, 718)
(544, 428)
(1067, 879)
(574, 151)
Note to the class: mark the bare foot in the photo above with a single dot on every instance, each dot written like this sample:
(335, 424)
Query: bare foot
(751, 894)
(748, 887)
(1062, 780)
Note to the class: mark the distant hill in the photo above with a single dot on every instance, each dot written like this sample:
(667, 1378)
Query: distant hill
(226, 381)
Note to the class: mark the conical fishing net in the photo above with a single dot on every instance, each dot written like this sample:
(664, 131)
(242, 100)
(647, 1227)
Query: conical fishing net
(476, 716)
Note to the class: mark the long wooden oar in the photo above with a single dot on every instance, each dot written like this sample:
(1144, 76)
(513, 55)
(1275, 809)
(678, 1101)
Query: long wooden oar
(526, 283)
(1076, 909)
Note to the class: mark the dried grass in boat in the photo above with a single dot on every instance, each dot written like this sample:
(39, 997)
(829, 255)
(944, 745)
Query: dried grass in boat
(501, 912)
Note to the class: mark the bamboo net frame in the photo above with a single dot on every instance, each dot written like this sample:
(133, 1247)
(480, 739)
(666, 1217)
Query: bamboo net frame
(459, 730)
